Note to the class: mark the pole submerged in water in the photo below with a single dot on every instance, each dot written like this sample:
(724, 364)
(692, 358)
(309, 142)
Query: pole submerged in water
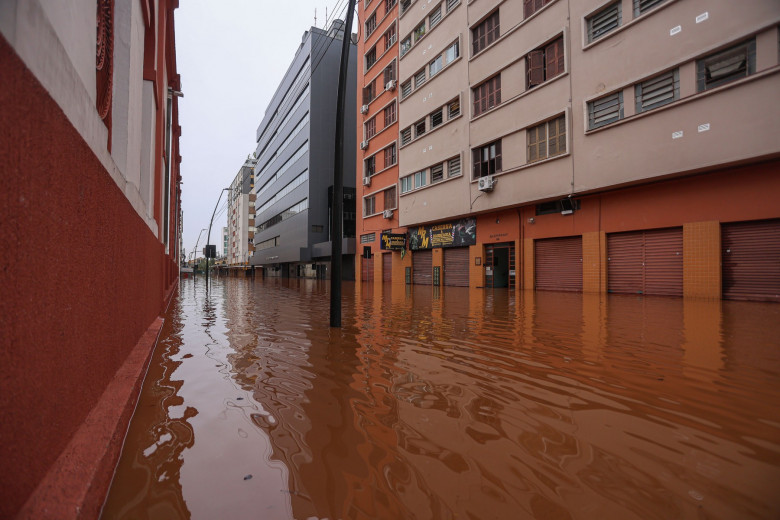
(338, 176)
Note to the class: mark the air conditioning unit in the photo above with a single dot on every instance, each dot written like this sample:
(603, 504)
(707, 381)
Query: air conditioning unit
(390, 85)
(363, 145)
(388, 213)
(486, 183)
(364, 109)
(366, 181)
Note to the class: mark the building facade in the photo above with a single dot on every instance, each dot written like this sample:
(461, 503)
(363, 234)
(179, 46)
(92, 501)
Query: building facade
(295, 157)
(377, 147)
(91, 213)
(528, 159)
(241, 215)
(225, 244)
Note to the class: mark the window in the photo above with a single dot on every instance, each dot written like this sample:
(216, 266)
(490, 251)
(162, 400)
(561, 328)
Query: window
(371, 58)
(390, 37)
(406, 44)
(487, 95)
(419, 128)
(268, 244)
(487, 159)
(390, 198)
(436, 65)
(606, 110)
(370, 166)
(531, 6)
(368, 237)
(419, 179)
(371, 24)
(390, 155)
(657, 91)
(454, 108)
(419, 31)
(453, 167)
(369, 93)
(437, 173)
(485, 33)
(405, 4)
(437, 118)
(406, 135)
(389, 114)
(435, 17)
(406, 89)
(389, 72)
(642, 6)
(452, 52)
(389, 4)
(451, 4)
(419, 79)
(369, 206)
(604, 21)
(545, 63)
(725, 66)
(546, 140)
(406, 184)
(370, 128)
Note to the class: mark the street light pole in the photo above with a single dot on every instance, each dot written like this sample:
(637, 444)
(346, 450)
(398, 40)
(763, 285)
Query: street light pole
(208, 237)
(338, 176)
(195, 251)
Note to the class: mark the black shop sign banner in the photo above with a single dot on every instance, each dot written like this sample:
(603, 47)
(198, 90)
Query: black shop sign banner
(453, 234)
(392, 241)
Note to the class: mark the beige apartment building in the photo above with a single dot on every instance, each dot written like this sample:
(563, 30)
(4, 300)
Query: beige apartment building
(241, 215)
(625, 146)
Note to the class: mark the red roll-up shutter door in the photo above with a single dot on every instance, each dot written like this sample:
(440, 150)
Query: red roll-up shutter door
(456, 267)
(646, 262)
(558, 264)
(387, 267)
(625, 272)
(664, 262)
(367, 269)
(751, 260)
(422, 267)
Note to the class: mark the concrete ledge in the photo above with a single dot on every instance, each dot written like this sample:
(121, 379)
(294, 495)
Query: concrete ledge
(76, 484)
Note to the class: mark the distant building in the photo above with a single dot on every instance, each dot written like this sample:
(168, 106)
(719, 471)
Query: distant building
(90, 212)
(625, 147)
(225, 243)
(295, 155)
(241, 215)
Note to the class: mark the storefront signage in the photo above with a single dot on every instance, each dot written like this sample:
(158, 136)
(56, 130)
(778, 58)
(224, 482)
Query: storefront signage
(452, 234)
(393, 241)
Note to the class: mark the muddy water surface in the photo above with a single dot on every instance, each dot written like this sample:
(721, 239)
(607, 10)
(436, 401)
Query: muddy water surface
(454, 403)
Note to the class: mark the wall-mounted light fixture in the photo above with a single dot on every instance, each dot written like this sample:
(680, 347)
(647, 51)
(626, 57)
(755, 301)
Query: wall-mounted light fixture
(531, 220)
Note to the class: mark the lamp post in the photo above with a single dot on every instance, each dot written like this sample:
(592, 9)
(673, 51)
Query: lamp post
(195, 251)
(208, 237)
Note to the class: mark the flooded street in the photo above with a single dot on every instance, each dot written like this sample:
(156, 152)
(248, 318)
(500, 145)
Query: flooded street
(453, 403)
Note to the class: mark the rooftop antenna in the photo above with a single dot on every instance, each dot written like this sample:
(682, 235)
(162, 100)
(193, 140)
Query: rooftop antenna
(315, 17)
(326, 16)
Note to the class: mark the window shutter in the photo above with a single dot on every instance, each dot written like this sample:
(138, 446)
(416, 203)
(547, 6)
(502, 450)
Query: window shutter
(603, 22)
(552, 141)
(535, 68)
(498, 156)
(605, 110)
(552, 52)
(657, 91)
(528, 8)
(475, 154)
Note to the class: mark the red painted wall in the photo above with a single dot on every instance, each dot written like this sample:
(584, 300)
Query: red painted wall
(81, 275)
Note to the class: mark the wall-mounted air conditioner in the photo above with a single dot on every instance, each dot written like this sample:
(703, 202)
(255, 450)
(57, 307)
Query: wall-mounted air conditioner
(388, 213)
(390, 85)
(363, 145)
(366, 181)
(364, 109)
(486, 183)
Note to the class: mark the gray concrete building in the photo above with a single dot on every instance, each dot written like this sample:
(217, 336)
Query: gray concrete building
(295, 155)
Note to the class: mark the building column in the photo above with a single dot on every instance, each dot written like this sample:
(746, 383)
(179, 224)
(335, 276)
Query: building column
(701, 259)
(438, 261)
(594, 264)
(476, 272)
(400, 265)
(529, 280)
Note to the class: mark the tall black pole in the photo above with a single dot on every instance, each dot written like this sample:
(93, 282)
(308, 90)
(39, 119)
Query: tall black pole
(338, 176)
(208, 237)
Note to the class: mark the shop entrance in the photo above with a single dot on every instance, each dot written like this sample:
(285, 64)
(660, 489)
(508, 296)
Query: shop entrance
(500, 265)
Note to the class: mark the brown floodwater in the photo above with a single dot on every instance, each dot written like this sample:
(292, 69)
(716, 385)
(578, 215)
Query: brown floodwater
(453, 403)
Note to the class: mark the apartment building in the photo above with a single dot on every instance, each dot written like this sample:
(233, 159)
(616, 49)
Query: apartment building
(90, 224)
(627, 146)
(241, 215)
(225, 244)
(377, 150)
(295, 159)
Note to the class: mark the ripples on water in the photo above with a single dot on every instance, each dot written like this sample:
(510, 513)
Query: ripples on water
(454, 403)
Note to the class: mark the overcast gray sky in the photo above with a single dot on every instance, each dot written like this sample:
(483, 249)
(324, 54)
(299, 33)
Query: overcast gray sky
(231, 55)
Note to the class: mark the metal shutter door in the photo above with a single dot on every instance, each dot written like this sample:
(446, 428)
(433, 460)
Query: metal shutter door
(367, 269)
(387, 267)
(624, 267)
(664, 262)
(456, 267)
(422, 262)
(751, 260)
(558, 264)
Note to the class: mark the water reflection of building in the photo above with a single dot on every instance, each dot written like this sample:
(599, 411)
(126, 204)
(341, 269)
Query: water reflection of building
(655, 177)
(90, 227)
